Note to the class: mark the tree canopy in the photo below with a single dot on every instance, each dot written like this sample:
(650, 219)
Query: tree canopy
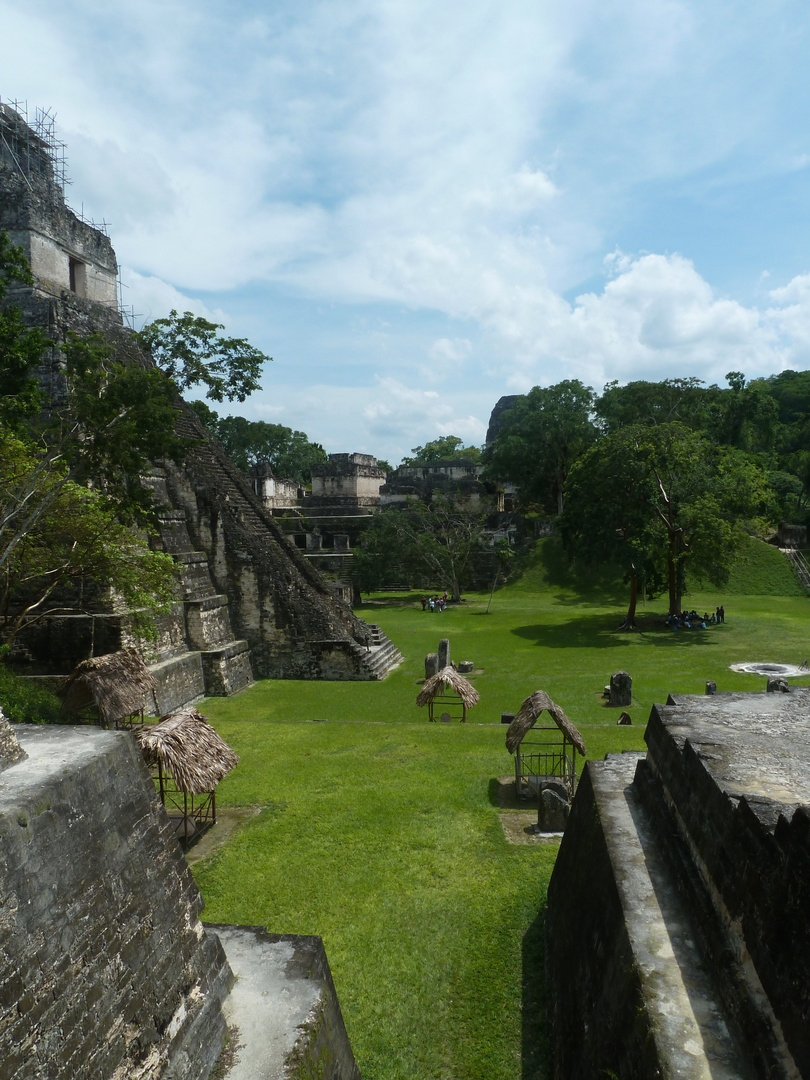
(445, 448)
(539, 439)
(662, 498)
(191, 351)
(290, 454)
(428, 544)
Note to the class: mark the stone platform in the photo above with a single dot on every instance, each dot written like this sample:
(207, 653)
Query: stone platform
(678, 925)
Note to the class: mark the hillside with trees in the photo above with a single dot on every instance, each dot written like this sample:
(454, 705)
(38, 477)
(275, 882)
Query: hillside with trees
(663, 478)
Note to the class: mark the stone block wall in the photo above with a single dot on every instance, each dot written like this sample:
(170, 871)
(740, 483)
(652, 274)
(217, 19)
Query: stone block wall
(597, 1017)
(107, 972)
(750, 844)
(678, 924)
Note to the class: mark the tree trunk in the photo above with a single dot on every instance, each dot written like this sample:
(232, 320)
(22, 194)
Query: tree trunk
(674, 599)
(630, 620)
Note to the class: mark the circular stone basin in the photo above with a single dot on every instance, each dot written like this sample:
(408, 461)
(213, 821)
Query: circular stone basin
(786, 671)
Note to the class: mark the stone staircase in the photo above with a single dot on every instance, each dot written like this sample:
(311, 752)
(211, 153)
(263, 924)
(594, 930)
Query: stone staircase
(205, 658)
(284, 609)
(801, 568)
(677, 910)
(382, 655)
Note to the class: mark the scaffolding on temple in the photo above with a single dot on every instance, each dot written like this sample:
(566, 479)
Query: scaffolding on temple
(31, 144)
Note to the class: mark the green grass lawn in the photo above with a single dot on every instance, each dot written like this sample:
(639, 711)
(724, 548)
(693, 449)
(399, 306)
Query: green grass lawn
(380, 831)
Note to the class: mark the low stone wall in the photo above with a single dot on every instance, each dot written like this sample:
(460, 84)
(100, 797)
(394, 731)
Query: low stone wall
(284, 1006)
(180, 681)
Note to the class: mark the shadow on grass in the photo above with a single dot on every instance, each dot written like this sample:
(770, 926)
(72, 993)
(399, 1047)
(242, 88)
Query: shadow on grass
(597, 632)
(548, 567)
(534, 1035)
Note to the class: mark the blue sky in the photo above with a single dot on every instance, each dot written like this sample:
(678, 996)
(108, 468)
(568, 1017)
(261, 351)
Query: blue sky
(417, 207)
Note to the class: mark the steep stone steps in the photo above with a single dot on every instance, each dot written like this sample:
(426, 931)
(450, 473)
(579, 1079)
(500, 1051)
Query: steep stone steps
(295, 625)
(212, 661)
(800, 566)
(638, 948)
(383, 656)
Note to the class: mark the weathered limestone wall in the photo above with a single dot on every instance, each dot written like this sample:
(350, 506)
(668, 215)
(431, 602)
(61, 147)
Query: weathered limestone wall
(107, 972)
(597, 1016)
(678, 926)
(742, 803)
(353, 478)
(285, 994)
(65, 253)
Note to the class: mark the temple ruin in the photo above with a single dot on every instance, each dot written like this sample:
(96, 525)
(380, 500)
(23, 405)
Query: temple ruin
(249, 604)
(677, 924)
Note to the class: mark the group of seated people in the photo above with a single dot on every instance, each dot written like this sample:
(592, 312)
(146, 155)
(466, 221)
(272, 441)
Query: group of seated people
(692, 620)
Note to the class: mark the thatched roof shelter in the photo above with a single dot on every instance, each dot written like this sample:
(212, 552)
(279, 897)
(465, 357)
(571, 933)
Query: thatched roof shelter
(118, 685)
(550, 755)
(447, 681)
(185, 745)
(527, 716)
(448, 689)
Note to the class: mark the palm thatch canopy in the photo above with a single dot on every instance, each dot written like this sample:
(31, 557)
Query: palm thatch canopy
(445, 681)
(527, 716)
(187, 747)
(118, 685)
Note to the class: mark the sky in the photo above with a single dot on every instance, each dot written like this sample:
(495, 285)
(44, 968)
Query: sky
(416, 208)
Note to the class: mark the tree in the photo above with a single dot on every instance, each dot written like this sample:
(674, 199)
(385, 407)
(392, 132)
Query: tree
(651, 403)
(21, 347)
(791, 391)
(662, 497)
(55, 533)
(539, 439)
(436, 543)
(70, 475)
(117, 417)
(247, 442)
(445, 448)
(191, 352)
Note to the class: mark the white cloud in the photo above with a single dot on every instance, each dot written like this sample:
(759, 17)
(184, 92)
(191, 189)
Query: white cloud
(469, 163)
(150, 298)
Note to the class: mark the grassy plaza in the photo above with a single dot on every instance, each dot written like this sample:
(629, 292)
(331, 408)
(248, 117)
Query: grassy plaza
(382, 833)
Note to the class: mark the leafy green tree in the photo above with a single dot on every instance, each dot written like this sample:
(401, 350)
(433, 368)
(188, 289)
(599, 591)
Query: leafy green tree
(540, 438)
(69, 476)
(741, 415)
(21, 347)
(55, 532)
(687, 401)
(433, 544)
(190, 350)
(662, 496)
(745, 415)
(791, 391)
(445, 448)
(289, 453)
(117, 417)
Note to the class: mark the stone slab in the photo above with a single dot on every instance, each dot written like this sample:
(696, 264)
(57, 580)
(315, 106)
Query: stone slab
(282, 1010)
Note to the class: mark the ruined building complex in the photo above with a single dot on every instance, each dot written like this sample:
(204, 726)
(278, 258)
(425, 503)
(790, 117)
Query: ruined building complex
(250, 605)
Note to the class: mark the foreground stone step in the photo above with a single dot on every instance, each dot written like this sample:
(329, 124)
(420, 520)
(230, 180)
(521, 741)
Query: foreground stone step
(624, 935)
(282, 1013)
